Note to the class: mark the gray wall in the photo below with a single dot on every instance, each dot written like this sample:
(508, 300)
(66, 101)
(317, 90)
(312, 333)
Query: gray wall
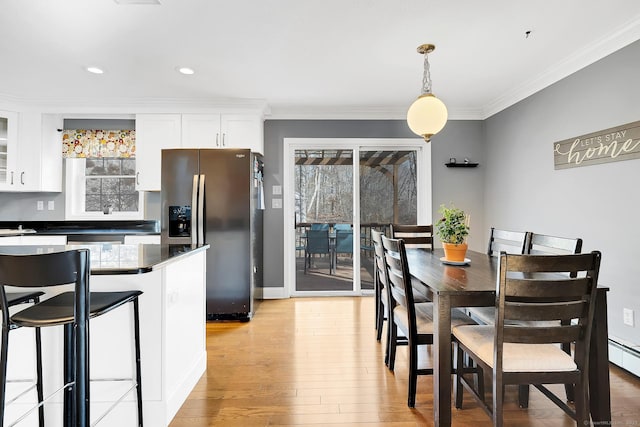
(599, 203)
(464, 187)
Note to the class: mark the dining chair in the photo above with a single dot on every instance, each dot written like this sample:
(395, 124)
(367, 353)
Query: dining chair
(319, 226)
(414, 236)
(511, 242)
(382, 296)
(517, 350)
(343, 244)
(317, 244)
(414, 320)
(13, 299)
(72, 310)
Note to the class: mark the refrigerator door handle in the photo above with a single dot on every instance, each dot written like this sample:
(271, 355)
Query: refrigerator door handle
(194, 213)
(201, 211)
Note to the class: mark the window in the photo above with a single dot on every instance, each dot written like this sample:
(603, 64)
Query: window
(102, 188)
(110, 185)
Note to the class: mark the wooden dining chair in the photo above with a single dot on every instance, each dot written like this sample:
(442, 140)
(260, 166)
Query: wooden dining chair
(414, 236)
(511, 242)
(517, 350)
(414, 320)
(379, 287)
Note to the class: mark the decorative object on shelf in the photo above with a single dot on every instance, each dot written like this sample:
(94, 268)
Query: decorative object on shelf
(99, 143)
(427, 115)
(453, 229)
(452, 160)
(466, 164)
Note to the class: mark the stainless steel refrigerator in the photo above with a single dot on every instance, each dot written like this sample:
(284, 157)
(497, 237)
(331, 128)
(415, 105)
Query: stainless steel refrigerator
(215, 196)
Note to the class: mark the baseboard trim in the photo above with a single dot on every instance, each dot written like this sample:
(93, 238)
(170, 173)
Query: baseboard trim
(274, 293)
(625, 357)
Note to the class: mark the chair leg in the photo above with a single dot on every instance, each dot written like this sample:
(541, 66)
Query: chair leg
(523, 395)
(569, 389)
(136, 325)
(413, 374)
(392, 343)
(498, 399)
(39, 390)
(459, 370)
(379, 320)
(581, 403)
(3, 370)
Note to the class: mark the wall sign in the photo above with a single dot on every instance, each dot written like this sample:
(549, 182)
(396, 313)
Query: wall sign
(609, 145)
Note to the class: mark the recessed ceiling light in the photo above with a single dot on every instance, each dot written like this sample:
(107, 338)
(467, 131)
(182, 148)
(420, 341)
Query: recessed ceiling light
(186, 70)
(95, 70)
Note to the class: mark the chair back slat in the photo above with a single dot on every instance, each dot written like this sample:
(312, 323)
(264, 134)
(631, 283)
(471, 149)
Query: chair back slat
(542, 335)
(544, 312)
(551, 295)
(550, 289)
(414, 236)
(511, 242)
(540, 244)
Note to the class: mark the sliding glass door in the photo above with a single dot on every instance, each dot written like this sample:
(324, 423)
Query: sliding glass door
(336, 191)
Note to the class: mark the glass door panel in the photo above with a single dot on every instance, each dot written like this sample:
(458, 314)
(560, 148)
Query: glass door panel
(324, 220)
(388, 194)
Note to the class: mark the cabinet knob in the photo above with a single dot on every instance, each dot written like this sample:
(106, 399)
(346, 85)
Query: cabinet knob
(22, 177)
(137, 178)
(11, 177)
(223, 140)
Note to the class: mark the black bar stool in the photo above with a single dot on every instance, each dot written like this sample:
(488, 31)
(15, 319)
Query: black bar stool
(11, 299)
(72, 310)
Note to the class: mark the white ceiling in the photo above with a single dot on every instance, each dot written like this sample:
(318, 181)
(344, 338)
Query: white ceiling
(303, 58)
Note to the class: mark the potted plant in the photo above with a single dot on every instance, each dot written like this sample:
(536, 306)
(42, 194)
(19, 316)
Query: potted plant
(453, 229)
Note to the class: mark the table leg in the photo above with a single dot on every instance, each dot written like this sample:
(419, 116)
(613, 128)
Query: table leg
(442, 360)
(599, 386)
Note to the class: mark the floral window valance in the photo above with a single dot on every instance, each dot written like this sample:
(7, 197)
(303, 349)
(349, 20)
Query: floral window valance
(99, 143)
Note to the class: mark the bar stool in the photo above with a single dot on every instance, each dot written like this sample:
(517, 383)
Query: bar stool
(72, 310)
(11, 299)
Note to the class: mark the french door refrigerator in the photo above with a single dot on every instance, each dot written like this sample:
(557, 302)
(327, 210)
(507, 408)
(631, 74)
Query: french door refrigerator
(214, 196)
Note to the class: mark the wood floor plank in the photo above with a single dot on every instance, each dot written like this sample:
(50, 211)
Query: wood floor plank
(315, 362)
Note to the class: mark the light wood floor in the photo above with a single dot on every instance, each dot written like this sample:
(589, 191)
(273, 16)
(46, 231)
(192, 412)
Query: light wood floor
(315, 361)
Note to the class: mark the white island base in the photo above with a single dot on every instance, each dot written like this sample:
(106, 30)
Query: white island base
(172, 339)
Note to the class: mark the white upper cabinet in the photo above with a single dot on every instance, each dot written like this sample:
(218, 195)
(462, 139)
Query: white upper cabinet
(222, 131)
(242, 131)
(30, 152)
(153, 133)
(200, 131)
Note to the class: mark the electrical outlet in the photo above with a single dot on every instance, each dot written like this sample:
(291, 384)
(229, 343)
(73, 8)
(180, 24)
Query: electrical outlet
(627, 316)
(40, 205)
(51, 205)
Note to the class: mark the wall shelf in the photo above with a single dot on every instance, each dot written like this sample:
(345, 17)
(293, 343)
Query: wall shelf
(461, 165)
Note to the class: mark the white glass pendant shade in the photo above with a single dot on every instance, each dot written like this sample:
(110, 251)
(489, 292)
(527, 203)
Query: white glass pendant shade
(427, 116)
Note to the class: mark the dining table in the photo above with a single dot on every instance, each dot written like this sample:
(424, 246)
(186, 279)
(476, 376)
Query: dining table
(473, 284)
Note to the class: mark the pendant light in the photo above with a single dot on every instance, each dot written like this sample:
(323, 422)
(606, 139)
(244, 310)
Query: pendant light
(427, 115)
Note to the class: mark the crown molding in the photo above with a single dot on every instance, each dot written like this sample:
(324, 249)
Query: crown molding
(626, 34)
(292, 112)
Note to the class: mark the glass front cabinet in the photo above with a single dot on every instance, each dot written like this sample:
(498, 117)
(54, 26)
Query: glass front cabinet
(8, 149)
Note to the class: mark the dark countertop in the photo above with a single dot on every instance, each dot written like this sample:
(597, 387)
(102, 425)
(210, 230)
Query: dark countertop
(116, 259)
(85, 227)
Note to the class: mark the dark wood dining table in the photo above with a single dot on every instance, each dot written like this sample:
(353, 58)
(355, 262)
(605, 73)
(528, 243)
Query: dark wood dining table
(474, 285)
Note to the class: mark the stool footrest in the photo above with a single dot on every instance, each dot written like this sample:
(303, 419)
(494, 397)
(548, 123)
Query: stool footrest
(115, 403)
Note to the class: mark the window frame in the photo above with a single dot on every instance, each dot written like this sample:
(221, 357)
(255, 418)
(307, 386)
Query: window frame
(75, 192)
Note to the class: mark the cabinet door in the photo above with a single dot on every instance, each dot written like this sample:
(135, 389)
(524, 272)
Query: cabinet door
(153, 133)
(201, 131)
(8, 149)
(242, 131)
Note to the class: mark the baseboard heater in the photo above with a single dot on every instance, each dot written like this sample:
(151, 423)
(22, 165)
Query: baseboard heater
(626, 357)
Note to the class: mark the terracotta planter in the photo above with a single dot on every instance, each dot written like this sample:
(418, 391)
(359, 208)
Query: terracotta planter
(453, 252)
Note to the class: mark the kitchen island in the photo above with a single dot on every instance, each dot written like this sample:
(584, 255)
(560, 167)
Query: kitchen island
(172, 333)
